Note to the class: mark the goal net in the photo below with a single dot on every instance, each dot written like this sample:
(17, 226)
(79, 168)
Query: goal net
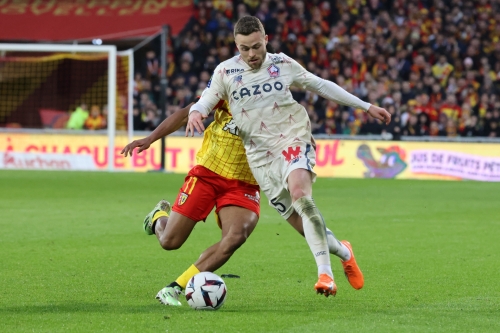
(67, 89)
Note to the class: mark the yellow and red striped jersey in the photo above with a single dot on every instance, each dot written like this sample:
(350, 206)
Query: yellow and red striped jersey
(222, 150)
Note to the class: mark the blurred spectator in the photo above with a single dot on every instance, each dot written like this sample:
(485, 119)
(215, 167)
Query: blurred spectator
(442, 70)
(450, 108)
(78, 117)
(182, 98)
(151, 120)
(424, 106)
(494, 130)
(151, 65)
(394, 129)
(95, 120)
(407, 92)
(451, 128)
(471, 127)
(371, 126)
(435, 130)
(105, 117)
(139, 124)
(423, 123)
(412, 127)
(343, 125)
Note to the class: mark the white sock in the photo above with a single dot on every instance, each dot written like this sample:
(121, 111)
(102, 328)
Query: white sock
(336, 247)
(314, 232)
(325, 269)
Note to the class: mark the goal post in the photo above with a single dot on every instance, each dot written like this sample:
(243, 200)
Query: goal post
(129, 54)
(26, 58)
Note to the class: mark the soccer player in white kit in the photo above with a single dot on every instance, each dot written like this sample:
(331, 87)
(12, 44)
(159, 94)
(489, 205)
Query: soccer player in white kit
(276, 132)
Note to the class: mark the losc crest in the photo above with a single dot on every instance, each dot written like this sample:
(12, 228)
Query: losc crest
(273, 71)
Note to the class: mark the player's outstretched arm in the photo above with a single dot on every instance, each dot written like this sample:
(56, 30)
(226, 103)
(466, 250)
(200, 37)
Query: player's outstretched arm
(331, 91)
(167, 126)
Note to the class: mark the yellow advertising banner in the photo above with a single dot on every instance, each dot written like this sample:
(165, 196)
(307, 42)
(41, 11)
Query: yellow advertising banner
(16, 149)
(408, 160)
(334, 158)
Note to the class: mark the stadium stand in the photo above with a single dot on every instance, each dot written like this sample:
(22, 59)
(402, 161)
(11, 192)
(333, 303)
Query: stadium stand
(435, 65)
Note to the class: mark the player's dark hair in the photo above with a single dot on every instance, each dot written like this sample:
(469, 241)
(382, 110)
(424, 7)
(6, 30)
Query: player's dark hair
(248, 25)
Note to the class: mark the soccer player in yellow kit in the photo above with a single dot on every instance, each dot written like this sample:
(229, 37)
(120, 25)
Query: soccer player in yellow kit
(221, 179)
(222, 163)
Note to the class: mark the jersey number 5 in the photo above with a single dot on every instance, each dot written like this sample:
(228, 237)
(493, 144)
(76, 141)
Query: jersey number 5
(278, 205)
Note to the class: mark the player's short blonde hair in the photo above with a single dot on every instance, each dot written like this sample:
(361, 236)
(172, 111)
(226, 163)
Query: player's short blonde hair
(248, 25)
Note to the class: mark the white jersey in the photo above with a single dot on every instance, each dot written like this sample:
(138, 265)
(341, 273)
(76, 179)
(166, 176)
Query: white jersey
(269, 120)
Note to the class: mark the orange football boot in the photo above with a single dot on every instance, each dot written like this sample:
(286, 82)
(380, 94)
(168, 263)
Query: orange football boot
(351, 269)
(325, 285)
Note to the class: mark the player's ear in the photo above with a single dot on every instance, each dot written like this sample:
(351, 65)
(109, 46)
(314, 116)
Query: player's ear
(266, 38)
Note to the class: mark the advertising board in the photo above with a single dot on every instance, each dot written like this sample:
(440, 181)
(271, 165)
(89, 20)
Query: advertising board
(334, 158)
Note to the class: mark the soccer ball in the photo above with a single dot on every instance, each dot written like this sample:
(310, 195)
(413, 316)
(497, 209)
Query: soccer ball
(206, 291)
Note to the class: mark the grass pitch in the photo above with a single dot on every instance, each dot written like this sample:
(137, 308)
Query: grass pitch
(74, 259)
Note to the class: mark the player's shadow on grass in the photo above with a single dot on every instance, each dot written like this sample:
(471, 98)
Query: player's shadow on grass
(80, 307)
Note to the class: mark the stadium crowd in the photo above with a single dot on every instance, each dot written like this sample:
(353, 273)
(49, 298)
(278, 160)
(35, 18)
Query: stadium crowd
(434, 65)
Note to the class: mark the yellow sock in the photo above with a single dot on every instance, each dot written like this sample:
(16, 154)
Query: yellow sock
(188, 274)
(159, 214)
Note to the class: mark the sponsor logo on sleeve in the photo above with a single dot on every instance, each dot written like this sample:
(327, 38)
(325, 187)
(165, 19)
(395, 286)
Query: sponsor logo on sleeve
(234, 70)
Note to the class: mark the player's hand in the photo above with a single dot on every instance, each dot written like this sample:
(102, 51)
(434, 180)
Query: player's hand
(380, 114)
(142, 144)
(195, 121)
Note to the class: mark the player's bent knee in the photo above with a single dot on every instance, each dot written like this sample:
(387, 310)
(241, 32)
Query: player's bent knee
(170, 247)
(170, 244)
(297, 193)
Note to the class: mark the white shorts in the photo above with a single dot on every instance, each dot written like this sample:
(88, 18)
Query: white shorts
(273, 177)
